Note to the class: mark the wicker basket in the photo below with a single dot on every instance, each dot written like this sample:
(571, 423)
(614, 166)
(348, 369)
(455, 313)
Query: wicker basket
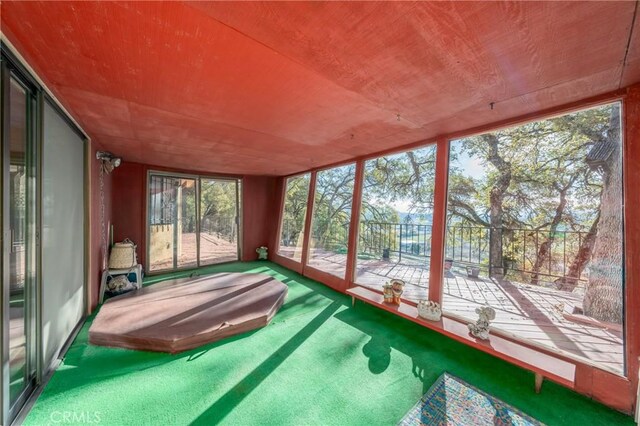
(123, 255)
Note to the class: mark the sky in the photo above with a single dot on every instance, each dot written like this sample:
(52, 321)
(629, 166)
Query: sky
(470, 166)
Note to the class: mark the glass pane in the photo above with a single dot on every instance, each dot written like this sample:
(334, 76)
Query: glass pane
(172, 223)
(18, 199)
(63, 276)
(535, 231)
(396, 215)
(160, 223)
(218, 221)
(186, 247)
(293, 217)
(328, 245)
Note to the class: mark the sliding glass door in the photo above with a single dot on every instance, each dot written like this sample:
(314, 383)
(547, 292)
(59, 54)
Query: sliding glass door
(218, 221)
(18, 171)
(43, 210)
(172, 223)
(192, 221)
(63, 271)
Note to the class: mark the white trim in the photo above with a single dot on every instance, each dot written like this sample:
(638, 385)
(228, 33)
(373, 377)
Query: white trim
(638, 400)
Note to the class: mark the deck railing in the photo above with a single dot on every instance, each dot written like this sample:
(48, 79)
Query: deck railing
(290, 232)
(386, 239)
(538, 253)
(223, 227)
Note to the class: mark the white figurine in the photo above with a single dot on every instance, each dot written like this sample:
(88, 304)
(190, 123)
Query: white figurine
(262, 253)
(429, 310)
(480, 328)
(387, 292)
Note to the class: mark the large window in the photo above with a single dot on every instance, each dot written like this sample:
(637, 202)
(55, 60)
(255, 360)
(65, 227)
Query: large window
(293, 217)
(395, 221)
(179, 237)
(329, 238)
(534, 229)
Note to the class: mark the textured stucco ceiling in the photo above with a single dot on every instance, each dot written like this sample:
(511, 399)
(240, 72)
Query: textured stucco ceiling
(276, 88)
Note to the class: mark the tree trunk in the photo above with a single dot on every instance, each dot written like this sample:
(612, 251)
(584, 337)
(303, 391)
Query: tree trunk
(496, 199)
(603, 294)
(570, 281)
(544, 251)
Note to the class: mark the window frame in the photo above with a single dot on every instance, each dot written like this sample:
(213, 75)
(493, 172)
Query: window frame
(309, 224)
(442, 143)
(283, 203)
(363, 162)
(197, 178)
(625, 258)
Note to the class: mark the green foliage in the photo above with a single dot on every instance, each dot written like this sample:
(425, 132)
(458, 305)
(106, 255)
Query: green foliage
(218, 207)
(408, 178)
(531, 177)
(332, 207)
(400, 183)
(542, 158)
(295, 208)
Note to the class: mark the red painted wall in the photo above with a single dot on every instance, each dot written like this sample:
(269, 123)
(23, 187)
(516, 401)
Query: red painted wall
(128, 204)
(260, 214)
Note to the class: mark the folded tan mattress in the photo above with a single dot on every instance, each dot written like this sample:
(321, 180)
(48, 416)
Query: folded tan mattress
(178, 315)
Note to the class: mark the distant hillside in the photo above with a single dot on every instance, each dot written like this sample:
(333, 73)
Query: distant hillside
(416, 218)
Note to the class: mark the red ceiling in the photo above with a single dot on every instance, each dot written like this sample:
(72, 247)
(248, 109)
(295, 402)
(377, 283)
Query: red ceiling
(276, 88)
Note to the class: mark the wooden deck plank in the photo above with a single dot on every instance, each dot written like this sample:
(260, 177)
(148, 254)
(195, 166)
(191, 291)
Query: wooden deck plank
(527, 311)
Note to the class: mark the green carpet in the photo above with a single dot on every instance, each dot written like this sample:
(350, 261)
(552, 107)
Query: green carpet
(319, 362)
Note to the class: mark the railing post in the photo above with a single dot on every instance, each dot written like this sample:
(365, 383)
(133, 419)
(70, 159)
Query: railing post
(490, 252)
(400, 246)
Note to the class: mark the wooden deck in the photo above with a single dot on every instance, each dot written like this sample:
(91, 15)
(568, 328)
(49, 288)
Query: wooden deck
(522, 310)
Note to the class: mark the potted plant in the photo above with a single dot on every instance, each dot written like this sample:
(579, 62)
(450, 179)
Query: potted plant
(386, 254)
(508, 262)
(448, 263)
(473, 271)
